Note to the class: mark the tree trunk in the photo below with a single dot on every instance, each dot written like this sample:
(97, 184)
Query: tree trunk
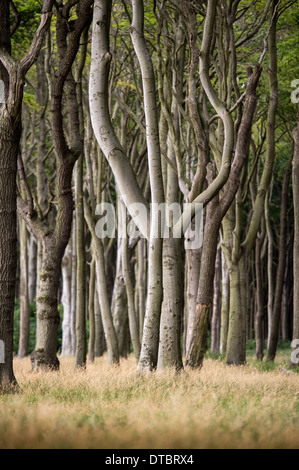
(224, 304)
(100, 343)
(91, 313)
(259, 313)
(198, 329)
(141, 284)
(24, 299)
(133, 325)
(295, 179)
(66, 349)
(9, 146)
(45, 354)
(81, 341)
(32, 268)
(170, 327)
(236, 341)
(272, 346)
(215, 326)
(119, 304)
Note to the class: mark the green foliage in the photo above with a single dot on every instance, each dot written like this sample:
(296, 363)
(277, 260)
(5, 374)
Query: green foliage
(32, 326)
(29, 11)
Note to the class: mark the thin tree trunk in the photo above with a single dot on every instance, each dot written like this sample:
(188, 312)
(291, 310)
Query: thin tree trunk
(215, 326)
(100, 343)
(224, 304)
(295, 179)
(81, 340)
(66, 349)
(272, 346)
(91, 312)
(119, 304)
(24, 298)
(259, 313)
(32, 268)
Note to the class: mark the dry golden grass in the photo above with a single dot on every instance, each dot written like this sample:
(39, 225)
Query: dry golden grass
(104, 407)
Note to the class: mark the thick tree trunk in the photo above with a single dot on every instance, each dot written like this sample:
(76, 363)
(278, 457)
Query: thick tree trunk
(9, 146)
(236, 341)
(45, 354)
(170, 327)
(198, 329)
(192, 278)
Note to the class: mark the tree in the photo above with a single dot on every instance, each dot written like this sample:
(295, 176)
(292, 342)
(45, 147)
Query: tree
(13, 75)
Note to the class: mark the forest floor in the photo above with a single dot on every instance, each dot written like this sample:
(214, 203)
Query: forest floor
(253, 406)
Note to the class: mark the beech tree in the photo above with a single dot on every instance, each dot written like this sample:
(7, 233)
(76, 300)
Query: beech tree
(13, 74)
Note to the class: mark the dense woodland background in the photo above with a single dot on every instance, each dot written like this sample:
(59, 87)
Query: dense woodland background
(174, 101)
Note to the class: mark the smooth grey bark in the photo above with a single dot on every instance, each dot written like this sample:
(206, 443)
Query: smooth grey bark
(224, 304)
(91, 312)
(215, 324)
(119, 304)
(102, 290)
(198, 330)
(81, 338)
(66, 300)
(149, 349)
(24, 297)
(32, 268)
(259, 312)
